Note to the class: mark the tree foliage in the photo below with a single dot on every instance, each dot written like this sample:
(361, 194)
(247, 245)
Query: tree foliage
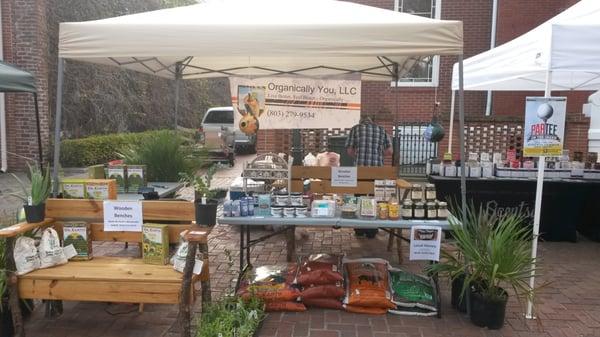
(101, 99)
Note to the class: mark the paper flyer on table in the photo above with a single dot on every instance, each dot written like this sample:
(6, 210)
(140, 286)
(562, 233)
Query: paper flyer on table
(425, 243)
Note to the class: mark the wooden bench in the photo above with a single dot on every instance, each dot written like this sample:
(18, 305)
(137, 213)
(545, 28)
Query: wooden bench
(107, 278)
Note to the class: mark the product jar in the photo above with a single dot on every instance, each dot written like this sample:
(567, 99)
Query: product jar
(407, 210)
(289, 212)
(419, 212)
(277, 211)
(296, 199)
(394, 211)
(442, 210)
(430, 192)
(382, 210)
(416, 194)
(302, 212)
(282, 198)
(431, 210)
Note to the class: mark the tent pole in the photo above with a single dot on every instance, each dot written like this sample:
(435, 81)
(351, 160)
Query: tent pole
(39, 136)
(538, 209)
(177, 87)
(396, 137)
(461, 134)
(57, 124)
(451, 131)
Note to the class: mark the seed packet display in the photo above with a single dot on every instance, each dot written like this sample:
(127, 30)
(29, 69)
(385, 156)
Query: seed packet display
(155, 244)
(136, 177)
(412, 294)
(73, 188)
(118, 172)
(79, 235)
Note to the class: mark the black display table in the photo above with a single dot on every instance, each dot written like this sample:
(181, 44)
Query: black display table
(568, 205)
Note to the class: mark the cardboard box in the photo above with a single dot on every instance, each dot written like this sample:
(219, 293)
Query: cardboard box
(390, 188)
(118, 173)
(96, 172)
(379, 190)
(79, 234)
(136, 177)
(101, 189)
(73, 188)
(155, 244)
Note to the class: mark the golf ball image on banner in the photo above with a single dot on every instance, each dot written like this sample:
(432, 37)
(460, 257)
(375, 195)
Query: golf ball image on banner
(544, 126)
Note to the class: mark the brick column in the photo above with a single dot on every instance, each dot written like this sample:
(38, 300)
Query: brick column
(25, 38)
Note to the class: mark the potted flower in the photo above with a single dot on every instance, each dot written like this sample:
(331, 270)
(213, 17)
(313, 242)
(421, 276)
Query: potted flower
(206, 205)
(35, 197)
(496, 251)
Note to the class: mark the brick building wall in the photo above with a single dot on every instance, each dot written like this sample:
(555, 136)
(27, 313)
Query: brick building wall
(25, 40)
(406, 104)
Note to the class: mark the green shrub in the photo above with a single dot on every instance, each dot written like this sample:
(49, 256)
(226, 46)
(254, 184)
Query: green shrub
(231, 317)
(166, 155)
(100, 149)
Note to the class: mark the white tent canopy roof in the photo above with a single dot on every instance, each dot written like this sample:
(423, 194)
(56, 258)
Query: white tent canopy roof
(568, 45)
(220, 38)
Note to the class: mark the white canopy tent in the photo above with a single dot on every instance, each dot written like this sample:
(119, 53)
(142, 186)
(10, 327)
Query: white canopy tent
(561, 54)
(219, 38)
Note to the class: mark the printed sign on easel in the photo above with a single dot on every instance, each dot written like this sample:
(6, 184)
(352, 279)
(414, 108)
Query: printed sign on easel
(544, 126)
(425, 243)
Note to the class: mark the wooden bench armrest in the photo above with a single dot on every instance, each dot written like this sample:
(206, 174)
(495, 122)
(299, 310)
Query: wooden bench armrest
(197, 234)
(20, 228)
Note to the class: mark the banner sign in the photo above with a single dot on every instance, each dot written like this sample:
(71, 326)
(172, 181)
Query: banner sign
(544, 126)
(295, 103)
(425, 243)
(344, 176)
(123, 216)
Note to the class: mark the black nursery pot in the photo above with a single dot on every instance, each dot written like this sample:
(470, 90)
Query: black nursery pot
(487, 313)
(206, 214)
(6, 323)
(458, 302)
(35, 213)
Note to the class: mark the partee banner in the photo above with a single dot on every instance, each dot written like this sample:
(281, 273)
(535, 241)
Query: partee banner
(295, 102)
(544, 126)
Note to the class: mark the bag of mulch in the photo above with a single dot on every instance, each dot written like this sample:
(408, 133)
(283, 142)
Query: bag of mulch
(365, 310)
(290, 306)
(270, 283)
(412, 291)
(50, 251)
(26, 255)
(323, 303)
(322, 291)
(367, 283)
(319, 269)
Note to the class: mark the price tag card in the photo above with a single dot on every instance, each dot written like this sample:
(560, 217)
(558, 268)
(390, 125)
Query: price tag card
(343, 176)
(425, 243)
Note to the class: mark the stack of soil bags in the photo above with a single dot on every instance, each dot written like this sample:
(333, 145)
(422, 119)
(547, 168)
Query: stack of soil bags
(321, 282)
(274, 285)
(367, 286)
(413, 295)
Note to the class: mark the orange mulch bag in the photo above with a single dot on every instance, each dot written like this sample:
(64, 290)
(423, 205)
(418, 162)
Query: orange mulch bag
(319, 269)
(365, 310)
(270, 283)
(289, 306)
(325, 303)
(324, 291)
(367, 283)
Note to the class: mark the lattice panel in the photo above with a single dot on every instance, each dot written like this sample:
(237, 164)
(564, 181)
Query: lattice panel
(490, 138)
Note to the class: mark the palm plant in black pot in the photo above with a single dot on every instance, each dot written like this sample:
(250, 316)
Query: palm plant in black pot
(496, 251)
(35, 197)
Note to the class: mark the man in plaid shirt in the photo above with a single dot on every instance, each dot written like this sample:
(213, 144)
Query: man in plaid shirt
(368, 143)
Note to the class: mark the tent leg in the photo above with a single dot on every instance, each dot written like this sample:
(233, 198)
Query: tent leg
(177, 88)
(57, 125)
(451, 130)
(463, 156)
(39, 136)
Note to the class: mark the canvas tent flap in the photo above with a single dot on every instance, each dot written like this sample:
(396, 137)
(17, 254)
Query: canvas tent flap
(219, 38)
(566, 44)
(13, 79)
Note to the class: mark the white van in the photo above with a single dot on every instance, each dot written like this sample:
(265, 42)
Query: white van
(218, 124)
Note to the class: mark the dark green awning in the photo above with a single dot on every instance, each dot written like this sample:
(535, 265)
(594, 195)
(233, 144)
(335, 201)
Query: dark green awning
(15, 80)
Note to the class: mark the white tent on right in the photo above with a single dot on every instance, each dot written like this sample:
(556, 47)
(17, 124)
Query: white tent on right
(567, 46)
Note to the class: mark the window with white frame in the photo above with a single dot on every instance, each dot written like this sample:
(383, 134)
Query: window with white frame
(425, 71)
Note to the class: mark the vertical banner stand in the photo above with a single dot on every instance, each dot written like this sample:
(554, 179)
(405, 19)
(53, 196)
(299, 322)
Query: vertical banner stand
(537, 210)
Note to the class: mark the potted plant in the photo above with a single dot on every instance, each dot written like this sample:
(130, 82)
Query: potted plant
(206, 205)
(35, 197)
(496, 251)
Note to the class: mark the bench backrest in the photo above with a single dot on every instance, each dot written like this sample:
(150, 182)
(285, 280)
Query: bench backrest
(366, 177)
(178, 214)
